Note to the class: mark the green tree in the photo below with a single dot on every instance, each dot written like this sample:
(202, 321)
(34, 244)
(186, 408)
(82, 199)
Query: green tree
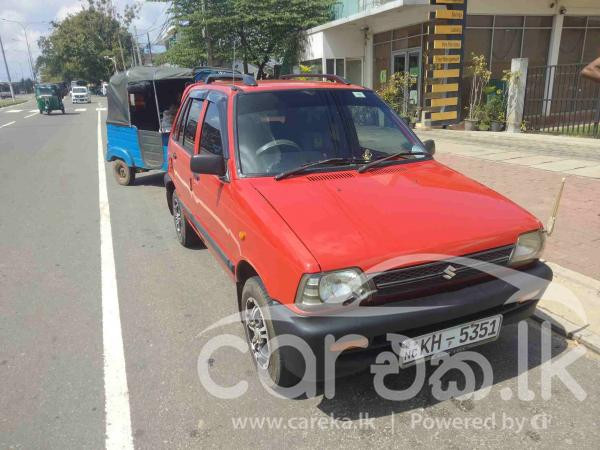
(260, 30)
(77, 46)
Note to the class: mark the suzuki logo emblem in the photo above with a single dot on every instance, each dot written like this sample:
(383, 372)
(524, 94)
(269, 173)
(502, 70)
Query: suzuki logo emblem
(449, 272)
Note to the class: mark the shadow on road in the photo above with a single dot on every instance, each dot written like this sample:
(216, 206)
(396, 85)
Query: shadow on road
(150, 179)
(356, 395)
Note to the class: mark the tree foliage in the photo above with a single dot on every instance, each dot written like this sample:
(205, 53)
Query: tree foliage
(208, 30)
(77, 46)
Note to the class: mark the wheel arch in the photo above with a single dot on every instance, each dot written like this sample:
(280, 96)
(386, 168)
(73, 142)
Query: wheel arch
(243, 271)
(169, 189)
(114, 153)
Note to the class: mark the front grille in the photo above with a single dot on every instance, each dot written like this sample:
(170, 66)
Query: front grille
(438, 274)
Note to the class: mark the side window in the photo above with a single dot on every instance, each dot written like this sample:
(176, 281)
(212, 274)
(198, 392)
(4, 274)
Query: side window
(189, 131)
(177, 130)
(211, 140)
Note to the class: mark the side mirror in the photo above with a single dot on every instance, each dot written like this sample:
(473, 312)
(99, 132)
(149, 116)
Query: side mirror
(208, 163)
(429, 145)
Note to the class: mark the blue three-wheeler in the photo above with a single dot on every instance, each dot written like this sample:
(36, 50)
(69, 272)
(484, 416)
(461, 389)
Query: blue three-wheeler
(142, 104)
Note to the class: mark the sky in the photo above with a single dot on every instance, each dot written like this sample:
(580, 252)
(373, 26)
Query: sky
(36, 15)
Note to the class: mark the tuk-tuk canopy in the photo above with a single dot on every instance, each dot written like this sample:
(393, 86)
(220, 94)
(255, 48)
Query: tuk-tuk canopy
(46, 89)
(116, 92)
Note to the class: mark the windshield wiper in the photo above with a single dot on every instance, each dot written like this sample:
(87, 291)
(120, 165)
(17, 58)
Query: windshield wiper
(367, 166)
(303, 167)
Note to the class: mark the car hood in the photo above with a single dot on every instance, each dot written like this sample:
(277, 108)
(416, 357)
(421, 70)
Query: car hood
(393, 216)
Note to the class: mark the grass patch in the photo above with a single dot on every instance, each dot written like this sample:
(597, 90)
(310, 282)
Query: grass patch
(4, 103)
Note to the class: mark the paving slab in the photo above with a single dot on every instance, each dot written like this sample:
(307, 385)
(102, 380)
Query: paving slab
(533, 160)
(566, 164)
(504, 156)
(592, 172)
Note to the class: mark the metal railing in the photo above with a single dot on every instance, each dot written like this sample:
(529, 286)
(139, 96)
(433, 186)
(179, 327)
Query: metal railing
(559, 100)
(347, 8)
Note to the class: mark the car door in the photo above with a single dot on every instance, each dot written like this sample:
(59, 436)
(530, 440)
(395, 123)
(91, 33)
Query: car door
(184, 143)
(211, 193)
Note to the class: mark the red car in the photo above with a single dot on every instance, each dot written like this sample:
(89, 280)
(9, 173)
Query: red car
(333, 218)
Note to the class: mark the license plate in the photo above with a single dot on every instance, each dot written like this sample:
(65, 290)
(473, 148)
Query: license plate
(463, 335)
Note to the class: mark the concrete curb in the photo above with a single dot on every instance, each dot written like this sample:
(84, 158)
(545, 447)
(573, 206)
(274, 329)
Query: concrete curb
(568, 329)
(564, 326)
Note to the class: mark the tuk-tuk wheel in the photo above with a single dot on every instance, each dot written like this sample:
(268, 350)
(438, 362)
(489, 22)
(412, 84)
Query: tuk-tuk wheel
(63, 110)
(124, 174)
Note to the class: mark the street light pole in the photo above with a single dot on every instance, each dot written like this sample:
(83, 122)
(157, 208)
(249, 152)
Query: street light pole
(34, 78)
(12, 93)
(29, 53)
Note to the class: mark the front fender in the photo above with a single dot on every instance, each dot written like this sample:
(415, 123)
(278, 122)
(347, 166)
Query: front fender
(113, 153)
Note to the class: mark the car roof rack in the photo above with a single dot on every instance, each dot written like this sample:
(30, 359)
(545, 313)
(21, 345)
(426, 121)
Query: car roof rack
(248, 80)
(327, 76)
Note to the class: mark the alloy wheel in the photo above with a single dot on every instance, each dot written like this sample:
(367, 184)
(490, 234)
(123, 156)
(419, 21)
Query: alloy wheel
(177, 216)
(258, 336)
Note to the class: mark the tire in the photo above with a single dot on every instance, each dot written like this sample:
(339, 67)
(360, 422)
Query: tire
(124, 174)
(183, 230)
(254, 308)
(63, 110)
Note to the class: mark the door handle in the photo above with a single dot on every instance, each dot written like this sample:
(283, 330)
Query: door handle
(174, 155)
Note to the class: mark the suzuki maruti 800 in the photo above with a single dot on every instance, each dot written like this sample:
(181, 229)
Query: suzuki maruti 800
(339, 227)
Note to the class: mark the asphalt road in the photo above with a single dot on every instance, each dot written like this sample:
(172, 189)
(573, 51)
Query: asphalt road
(51, 336)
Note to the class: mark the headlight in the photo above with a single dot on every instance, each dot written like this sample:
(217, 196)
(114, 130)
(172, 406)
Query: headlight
(333, 287)
(529, 247)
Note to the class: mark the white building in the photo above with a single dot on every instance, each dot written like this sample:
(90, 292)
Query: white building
(371, 39)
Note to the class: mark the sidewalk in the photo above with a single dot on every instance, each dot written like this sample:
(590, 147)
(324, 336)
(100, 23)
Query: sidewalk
(569, 155)
(573, 250)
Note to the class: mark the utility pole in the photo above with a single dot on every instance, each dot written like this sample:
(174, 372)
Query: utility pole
(12, 94)
(206, 36)
(137, 48)
(149, 48)
(122, 54)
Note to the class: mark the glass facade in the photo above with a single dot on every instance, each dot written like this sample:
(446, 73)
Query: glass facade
(502, 38)
(580, 40)
(388, 45)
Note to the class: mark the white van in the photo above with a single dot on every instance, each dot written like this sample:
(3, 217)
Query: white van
(80, 94)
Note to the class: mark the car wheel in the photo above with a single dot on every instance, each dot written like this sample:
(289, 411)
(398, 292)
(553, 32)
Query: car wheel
(260, 333)
(185, 233)
(124, 174)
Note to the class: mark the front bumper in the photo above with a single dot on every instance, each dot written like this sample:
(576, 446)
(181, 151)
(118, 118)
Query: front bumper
(514, 296)
(81, 99)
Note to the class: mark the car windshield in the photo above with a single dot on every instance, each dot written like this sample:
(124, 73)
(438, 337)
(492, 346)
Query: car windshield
(45, 90)
(79, 90)
(282, 130)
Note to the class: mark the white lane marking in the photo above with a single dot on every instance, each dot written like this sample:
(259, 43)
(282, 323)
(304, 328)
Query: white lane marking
(32, 114)
(33, 110)
(80, 109)
(100, 109)
(7, 124)
(13, 111)
(118, 415)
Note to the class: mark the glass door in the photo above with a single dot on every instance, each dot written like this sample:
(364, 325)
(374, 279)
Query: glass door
(409, 61)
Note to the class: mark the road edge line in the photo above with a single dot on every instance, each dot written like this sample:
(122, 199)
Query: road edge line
(117, 409)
